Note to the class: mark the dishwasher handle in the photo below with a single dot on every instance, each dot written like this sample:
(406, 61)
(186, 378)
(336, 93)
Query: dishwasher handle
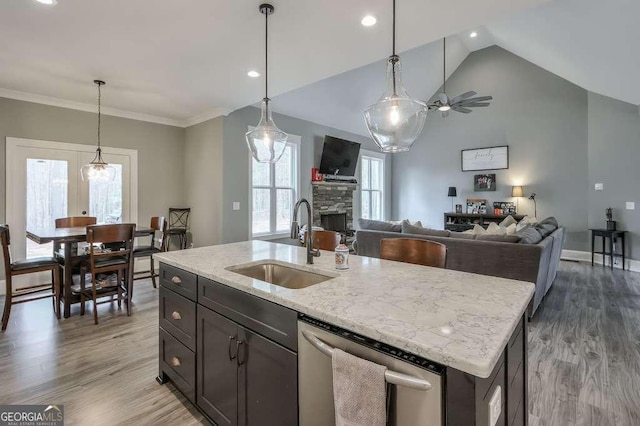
(390, 376)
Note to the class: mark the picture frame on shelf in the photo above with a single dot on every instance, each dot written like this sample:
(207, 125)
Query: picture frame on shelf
(485, 182)
(459, 208)
(491, 158)
(476, 206)
(504, 207)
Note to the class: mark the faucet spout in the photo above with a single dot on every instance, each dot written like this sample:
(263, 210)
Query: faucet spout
(295, 229)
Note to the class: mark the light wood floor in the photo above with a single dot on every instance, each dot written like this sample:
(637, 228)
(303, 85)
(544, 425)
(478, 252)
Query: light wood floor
(584, 357)
(584, 349)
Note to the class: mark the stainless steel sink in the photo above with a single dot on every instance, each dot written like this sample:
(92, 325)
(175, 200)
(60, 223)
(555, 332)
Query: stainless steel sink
(281, 275)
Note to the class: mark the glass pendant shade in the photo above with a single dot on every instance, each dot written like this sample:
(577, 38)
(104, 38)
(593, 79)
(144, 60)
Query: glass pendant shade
(266, 142)
(97, 170)
(396, 120)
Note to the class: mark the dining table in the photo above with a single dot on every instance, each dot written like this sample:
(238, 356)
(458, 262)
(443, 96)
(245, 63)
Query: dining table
(69, 236)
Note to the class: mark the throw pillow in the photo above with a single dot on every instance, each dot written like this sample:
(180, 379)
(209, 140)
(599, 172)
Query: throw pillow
(547, 226)
(479, 230)
(378, 225)
(511, 229)
(527, 220)
(408, 228)
(499, 238)
(508, 221)
(494, 229)
(529, 235)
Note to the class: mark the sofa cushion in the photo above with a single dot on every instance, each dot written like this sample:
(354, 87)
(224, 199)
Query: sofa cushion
(508, 221)
(462, 235)
(499, 238)
(529, 235)
(378, 225)
(547, 226)
(408, 228)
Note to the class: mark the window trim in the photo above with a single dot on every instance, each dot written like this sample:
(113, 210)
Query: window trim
(293, 140)
(383, 191)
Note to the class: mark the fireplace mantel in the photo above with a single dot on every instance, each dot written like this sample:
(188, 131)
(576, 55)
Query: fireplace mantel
(333, 198)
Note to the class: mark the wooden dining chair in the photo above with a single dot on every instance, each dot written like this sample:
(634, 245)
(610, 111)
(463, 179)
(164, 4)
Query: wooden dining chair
(108, 262)
(72, 222)
(325, 240)
(27, 266)
(159, 225)
(409, 250)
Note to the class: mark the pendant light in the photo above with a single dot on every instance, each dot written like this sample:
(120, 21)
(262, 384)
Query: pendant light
(396, 120)
(266, 142)
(98, 170)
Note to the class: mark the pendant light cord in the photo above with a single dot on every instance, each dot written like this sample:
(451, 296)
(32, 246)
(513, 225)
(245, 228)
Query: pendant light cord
(99, 114)
(444, 65)
(394, 58)
(394, 28)
(266, 55)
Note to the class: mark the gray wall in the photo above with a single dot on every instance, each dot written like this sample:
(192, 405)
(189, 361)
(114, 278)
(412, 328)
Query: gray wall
(160, 147)
(614, 150)
(542, 118)
(203, 181)
(236, 162)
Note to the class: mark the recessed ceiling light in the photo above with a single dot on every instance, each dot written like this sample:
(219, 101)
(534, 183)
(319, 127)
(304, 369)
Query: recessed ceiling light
(253, 74)
(369, 21)
(473, 34)
(49, 2)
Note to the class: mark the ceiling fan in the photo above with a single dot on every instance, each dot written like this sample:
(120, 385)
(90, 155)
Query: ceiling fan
(462, 103)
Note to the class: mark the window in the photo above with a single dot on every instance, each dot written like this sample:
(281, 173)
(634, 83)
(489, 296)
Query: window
(372, 187)
(274, 189)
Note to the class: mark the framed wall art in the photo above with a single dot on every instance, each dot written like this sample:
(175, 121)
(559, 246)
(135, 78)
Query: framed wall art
(492, 158)
(484, 182)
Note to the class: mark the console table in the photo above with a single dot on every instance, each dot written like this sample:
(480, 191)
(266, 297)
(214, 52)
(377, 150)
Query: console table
(464, 221)
(611, 235)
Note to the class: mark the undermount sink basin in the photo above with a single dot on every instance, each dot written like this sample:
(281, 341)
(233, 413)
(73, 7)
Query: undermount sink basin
(281, 275)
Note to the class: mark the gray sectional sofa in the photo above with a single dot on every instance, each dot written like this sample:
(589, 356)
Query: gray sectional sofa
(536, 263)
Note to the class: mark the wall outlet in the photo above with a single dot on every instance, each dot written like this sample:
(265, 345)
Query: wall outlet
(599, 187)
(236, 205)
(631, 205)
(495, 406)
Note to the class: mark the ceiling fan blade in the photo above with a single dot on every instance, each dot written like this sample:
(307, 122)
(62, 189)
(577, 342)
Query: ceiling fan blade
(478, 99)
(444, 99)
(445, 114)
(474, 105)
(463, 96)
(462, 110)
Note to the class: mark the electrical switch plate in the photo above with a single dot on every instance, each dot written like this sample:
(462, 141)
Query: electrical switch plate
(236, 205)
(631, 205)
(599, 186)
(495, 406)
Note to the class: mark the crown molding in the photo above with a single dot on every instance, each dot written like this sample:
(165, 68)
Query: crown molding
(79, 106)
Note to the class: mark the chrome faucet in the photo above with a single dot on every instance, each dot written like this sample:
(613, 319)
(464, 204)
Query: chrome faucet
(295, 229)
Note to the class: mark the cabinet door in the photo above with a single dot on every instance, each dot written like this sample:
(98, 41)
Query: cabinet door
(267, 382)
(217, 372)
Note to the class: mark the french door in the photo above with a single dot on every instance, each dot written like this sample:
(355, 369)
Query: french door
(44, 183)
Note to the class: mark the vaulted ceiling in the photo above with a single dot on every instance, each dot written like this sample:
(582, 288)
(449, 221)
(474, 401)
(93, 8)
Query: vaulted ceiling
(182, 62)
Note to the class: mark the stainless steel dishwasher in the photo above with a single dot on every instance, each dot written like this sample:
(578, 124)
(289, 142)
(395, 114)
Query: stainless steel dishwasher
(415, 394)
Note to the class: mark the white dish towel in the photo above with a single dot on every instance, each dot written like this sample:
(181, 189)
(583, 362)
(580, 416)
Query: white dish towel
(359, 391)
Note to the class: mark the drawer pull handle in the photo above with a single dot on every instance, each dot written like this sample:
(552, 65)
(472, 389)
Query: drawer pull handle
(176, 280)
(239, 345)
(176, 315)
(175, 361)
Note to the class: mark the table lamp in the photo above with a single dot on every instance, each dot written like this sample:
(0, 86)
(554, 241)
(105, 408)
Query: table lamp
(453, 192)
(517, 192)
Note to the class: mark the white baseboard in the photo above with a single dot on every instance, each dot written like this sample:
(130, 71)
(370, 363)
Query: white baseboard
(585, 256)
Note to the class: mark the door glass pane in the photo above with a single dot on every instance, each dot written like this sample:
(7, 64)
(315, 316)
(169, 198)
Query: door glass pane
(365, 173)
(261, 210)
(261, 173)
(105, 198)
(47, 199)
(284, 203)
(376, 205)
(366, 203)
(376, 174)
(284, 169)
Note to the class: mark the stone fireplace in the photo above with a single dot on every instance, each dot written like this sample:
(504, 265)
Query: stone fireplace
(333, 205)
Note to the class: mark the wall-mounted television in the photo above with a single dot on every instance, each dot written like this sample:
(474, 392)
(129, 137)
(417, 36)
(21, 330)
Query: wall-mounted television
(339, 157)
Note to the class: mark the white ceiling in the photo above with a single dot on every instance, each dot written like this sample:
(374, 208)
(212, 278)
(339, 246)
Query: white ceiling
(182, 62)
(591, 43)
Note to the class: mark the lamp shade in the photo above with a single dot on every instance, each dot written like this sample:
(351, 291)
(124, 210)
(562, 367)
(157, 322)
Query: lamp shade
(452, 191)
(517, 191)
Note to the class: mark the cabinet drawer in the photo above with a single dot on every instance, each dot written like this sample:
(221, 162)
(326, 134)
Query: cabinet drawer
(179, 363)
(266, 318)
(182, 282)
(178, 317)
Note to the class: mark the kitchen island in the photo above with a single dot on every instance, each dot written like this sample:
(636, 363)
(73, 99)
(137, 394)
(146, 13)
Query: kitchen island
(464, 324)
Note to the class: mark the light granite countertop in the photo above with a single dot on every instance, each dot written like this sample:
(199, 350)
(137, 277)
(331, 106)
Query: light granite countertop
(454, 318)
